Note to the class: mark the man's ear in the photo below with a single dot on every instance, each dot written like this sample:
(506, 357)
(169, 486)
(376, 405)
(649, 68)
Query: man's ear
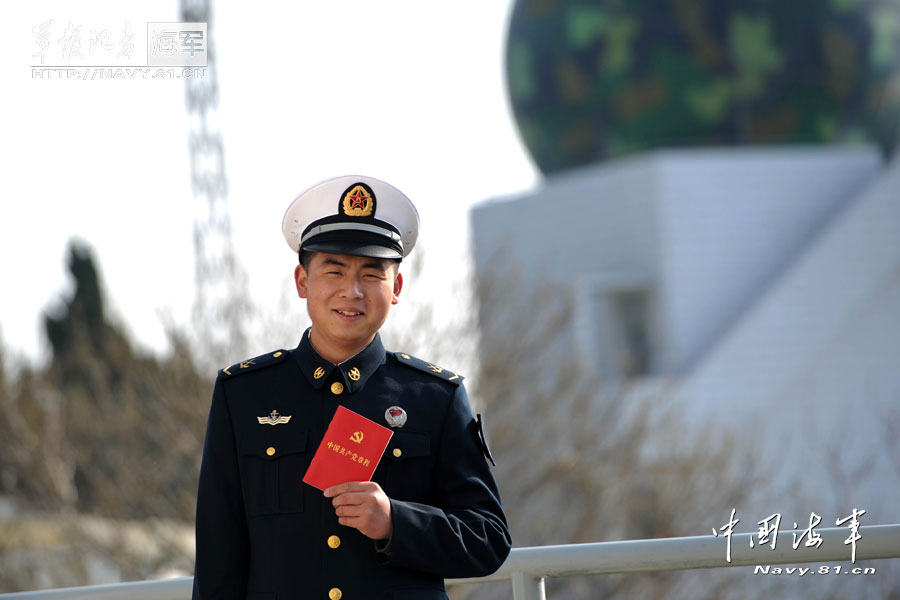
(300, 279)
(398, 285)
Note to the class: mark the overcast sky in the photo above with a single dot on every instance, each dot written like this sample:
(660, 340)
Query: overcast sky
(404, 91)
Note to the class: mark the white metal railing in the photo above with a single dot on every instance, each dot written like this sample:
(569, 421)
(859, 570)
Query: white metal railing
(528, 567)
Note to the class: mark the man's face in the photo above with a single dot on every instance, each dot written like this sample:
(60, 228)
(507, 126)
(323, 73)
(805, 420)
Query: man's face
(348, 299)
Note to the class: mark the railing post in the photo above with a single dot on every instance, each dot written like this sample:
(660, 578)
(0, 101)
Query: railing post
(527, 587)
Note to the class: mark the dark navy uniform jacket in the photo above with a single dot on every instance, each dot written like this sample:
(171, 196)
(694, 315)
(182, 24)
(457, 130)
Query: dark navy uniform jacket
(264, 534)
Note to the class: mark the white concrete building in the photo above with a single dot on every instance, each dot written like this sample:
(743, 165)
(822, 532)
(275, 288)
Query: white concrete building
(764, 283)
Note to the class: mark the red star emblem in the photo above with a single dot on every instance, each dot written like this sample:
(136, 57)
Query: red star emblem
(358, 200)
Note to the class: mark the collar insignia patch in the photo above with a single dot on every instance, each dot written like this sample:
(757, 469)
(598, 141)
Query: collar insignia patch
(274, 419)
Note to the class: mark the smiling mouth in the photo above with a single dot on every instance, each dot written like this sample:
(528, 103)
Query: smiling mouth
(347, 313)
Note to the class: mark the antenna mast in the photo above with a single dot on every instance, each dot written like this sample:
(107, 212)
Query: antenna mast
(221, 305)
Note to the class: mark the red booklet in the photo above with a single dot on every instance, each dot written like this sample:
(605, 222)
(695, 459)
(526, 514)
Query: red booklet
(350, 450)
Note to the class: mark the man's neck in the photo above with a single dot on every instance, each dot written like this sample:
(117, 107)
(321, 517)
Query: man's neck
(334, 352)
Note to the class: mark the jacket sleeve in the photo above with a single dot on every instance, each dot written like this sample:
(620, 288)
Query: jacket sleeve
(465, 534)
(222, 558)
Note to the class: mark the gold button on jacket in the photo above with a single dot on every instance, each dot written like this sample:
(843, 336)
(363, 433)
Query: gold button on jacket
(270, 451)
(335, 594)
(337, 387)
(334, 541)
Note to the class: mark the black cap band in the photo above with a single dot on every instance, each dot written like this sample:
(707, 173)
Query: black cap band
(374, 238)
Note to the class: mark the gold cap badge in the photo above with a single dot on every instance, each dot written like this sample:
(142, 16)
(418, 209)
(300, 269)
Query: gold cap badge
(358, 201)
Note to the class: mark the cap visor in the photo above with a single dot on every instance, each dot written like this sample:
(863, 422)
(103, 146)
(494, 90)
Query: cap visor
(351, 249)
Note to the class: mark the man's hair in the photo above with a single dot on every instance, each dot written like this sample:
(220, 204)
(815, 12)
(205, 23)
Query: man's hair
(307, 255)
(305, 258)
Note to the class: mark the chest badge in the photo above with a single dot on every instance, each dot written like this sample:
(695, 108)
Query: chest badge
(395, 416)
(274, 419)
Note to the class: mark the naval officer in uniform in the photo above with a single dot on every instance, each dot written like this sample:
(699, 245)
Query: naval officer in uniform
(431, 510)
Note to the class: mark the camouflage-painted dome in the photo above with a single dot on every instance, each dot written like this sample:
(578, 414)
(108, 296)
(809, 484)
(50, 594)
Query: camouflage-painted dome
(594, 79)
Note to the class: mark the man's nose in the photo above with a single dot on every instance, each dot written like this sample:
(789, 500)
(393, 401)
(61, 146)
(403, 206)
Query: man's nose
(352, 287)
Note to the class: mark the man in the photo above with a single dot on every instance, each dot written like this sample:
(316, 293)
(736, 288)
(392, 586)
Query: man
(431, 510)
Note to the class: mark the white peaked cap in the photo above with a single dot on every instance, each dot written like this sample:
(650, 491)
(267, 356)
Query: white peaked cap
(355, 215)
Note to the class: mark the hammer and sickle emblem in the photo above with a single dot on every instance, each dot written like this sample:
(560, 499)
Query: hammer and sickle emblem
(357, 437)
